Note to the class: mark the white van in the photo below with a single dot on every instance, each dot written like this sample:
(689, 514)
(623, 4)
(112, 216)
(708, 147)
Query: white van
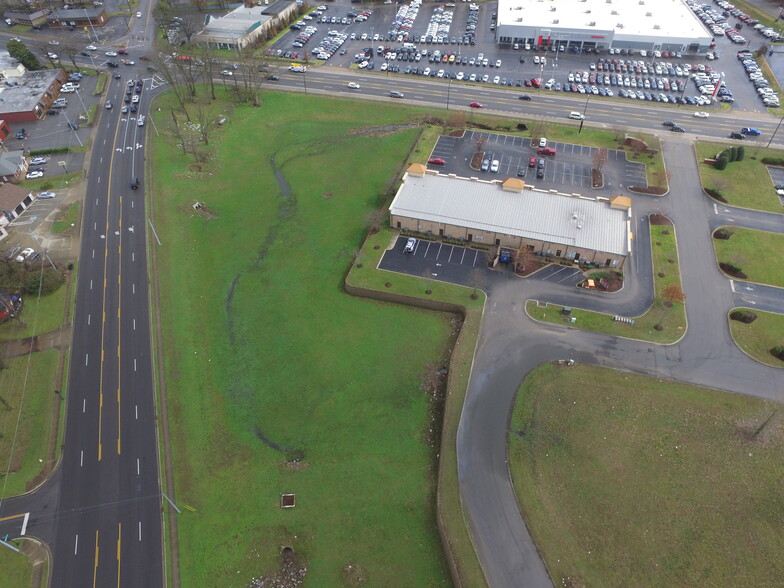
(576, 115)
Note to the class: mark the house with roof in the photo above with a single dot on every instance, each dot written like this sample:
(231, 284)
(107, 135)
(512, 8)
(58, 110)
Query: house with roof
(14, 200)
(243, 26)
(510, 214)
(28, 97)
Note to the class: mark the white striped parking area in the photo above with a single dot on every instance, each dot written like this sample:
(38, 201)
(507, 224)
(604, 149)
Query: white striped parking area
(445, 253)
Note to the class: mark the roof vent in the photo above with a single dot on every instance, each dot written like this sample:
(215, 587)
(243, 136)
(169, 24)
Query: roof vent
(614, 12)
(587, 12)
(657, 27)
(592, 23)
(648, 14)
(520, 19)
(552, 9)
(579, 226)
(619, 25)
(556, 21)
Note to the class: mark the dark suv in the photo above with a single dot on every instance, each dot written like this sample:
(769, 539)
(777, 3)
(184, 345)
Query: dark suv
(134, 183)
(737, 135)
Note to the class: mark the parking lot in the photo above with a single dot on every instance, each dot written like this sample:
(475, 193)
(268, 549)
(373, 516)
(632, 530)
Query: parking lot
(777, 177)
(569, 170)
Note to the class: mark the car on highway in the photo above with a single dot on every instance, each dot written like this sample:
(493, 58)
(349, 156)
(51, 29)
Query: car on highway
(273, 78)
(91, 48)
(54, 43)
(140, 122)
(108, 105)
(46, 195)
(701, 114)
(227, 72)
(135, 98)
(410, 245)
(51, 55)
(25, 254)
(38, 160)
(122, 52)
(524, 97)
(677, 129)
(353, 85)
(576, 115)
(668, 123)
(138, 15)
(124, 108)
(111, 54)
(475, 105)
(396, 94)
(737, 135)
(751, 131)
(436, 161)
(546, 151)
(34, 175)
(134, 183)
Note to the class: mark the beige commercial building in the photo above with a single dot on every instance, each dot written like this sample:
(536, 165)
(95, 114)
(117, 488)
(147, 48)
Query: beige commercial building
(511, 215)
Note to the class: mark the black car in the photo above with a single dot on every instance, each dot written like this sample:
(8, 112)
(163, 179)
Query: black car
(112, 64)
(134, 183)
(273, 78)
(540, 172)
(677, 129)
(524, 97)
(737, 135)
(669, 123)
(521, 172)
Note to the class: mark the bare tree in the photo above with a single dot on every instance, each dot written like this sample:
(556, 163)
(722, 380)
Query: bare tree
(600, 158)
(70, 50)
(169, 72)
(190, 25)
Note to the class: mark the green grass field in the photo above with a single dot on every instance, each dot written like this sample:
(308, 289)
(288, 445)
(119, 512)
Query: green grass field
(743, 183)
(278, 382)
(27, 387)
(759, 337)
(750, 251)
(38, 316)
(672, 319)
(67, 220)
(627, 480)
(17, 569)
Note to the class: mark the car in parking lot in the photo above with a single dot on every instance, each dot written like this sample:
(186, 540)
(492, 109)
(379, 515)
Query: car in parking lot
(546, 151)
(543, 142)
(532, 162)
(475, 105)
(436, 161)
(25, 254)
(38, 161)
(520, 172)
(751, 131)
(34, 175)
(494, 166)
(410, 245)
(46, 195)
(540, 172)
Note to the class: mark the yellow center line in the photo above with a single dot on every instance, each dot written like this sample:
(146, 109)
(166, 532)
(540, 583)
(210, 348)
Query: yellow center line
(119, 536)
(13, 517)
(95, 567)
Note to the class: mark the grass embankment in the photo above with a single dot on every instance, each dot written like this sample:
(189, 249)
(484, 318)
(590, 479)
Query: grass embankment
(627, 480)
(743, 183)
(671, 319)
(38, 316)
(54, 182)
(17, 568)
(746, 250)
(759, 337)
(277, 380)
(26, 386)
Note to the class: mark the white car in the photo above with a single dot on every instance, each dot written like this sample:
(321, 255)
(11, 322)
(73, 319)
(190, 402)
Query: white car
(51, 55)
(34, 175)
(353, 85)
(701, 114)
(25, 254)
(111, 53)
(38, 161)
(91, 48)
(543, 142)
(46, 195)
(140, 122)
(55, 43)
(576, 115)
(494, 166)
(227, 72)
(138, 15)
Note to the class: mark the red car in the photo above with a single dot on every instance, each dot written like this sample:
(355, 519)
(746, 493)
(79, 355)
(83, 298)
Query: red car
(532, 162)
(122, 52)
(436, 161)
(546, 151)
(475, 105)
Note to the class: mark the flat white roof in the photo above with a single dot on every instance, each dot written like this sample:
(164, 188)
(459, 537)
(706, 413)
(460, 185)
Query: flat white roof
(579, 222)
(649, 18)
(237, 23)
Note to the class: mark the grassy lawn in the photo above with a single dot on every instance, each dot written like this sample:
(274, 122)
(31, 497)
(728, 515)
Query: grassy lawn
(17, 568)
(37, 316)
(672, 319)
(759, 337)
(744, 183)
(277, 380)
(54, 182)
(627, 480)
(746, 249)
(66, 223)
(26, 386)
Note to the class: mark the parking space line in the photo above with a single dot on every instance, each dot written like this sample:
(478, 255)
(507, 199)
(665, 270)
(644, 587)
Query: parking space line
(440, 247)
(462, 257)
(476, 256)
(428, 249)
(451, 251)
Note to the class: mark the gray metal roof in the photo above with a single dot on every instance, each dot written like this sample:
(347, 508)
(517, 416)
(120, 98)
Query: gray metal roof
(27, 91)
(534, 214)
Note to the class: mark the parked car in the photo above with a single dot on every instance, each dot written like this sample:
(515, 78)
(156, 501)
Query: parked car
(494, 166)
(546, 151)
(543, 142)
(436, 161)
(532, 162)
(410, 245)
(46, 195)
(34, 175)
(38, 160)
(25, 254)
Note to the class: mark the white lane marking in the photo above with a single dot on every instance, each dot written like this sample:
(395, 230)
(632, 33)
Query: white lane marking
(76, 544)
(732, 285)
(137, 411)
(91, 284)
(86, 358)
(133, 288)
(84, 405)
(134, 364)
(81, 458)
(138, 466)
(95, 226)
(99, 179)
(24, 524)
(96, 202)
(140, 530)
(93, 253)
(133, 256)
(134, 324)
(89, 316)
(132, 207)
(715, 209)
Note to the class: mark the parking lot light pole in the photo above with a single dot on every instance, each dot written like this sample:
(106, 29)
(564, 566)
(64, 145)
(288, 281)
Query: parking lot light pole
(773, 136)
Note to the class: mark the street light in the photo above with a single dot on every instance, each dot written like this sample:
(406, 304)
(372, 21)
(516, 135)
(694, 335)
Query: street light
(582, 120)
(448, 90)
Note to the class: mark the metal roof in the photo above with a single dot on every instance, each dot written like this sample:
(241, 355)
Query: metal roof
(534, 214)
